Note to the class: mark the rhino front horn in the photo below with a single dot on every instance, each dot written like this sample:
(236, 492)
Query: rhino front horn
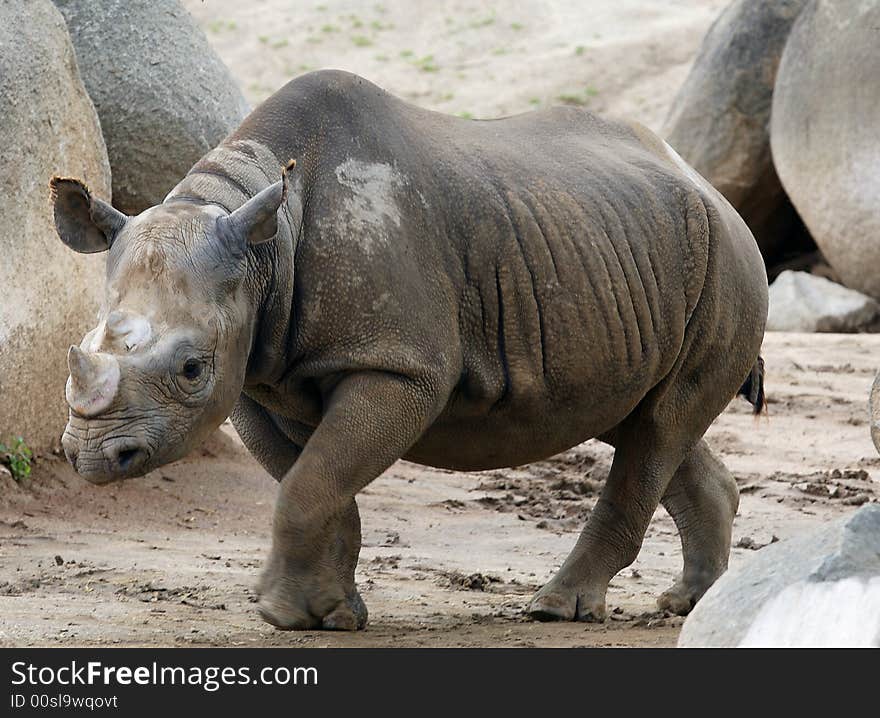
(94, 379)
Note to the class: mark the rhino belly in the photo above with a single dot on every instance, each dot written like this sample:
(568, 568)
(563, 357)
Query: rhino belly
(467, 437)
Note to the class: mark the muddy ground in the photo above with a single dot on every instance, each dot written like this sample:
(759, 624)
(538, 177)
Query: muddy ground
(449, 559)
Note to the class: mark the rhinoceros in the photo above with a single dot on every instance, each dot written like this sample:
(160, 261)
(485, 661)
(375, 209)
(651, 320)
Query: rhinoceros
(462, 294)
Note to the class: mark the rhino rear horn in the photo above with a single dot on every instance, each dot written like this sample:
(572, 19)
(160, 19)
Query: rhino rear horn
(86, 224)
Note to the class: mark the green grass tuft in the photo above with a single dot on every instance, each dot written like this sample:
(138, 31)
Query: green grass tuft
(427, 64)
(18, 458)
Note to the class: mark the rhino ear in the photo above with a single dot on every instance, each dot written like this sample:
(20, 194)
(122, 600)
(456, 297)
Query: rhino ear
(256, 221)
(84, 223)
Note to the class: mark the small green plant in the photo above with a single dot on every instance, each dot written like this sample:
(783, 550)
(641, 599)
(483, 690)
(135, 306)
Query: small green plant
(579, 98)
(484, 22)
(517, 26)
(220, 25)
(18, 458)
(570, 98)
(579, 50)
(361, 41)
(427, 64)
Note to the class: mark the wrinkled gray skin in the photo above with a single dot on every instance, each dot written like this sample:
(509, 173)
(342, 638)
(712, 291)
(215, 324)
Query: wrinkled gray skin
(469, 295)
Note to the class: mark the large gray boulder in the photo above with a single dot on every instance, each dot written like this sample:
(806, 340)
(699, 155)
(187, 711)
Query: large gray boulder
(874, 406)
(163, 95)
(803, 302)
(818, 589)
(49, 295)
(824, 133)
(720, 119)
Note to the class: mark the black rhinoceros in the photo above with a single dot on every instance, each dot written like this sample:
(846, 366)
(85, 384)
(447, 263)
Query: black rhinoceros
(464, 294)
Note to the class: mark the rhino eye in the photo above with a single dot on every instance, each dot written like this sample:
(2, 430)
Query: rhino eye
(192, 369)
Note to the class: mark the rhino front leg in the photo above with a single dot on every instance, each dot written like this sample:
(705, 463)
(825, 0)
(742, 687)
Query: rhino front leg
(640, 472)
(320, 593)
(702, 499)
(261, 432)
(371, 420)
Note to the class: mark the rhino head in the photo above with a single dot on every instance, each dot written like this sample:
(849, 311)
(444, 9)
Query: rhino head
(166, 362)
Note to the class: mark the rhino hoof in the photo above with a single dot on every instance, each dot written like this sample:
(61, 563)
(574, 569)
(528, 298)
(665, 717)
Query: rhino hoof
(566, 605)
(680, 599)
(284, 617)
(349, 615)
(552, 607)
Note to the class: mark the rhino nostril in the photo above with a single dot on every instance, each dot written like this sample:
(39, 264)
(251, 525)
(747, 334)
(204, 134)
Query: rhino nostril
(128, 459)
(125, 457)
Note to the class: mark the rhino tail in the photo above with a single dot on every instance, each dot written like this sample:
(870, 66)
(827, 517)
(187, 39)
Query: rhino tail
(753, 387)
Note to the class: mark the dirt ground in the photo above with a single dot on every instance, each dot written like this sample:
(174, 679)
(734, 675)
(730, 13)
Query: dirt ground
(449, 559)
(475, 58)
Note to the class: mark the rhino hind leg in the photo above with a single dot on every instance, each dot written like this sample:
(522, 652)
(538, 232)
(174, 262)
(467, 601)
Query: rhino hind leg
(644, 464)
(702, 499)
(659, 455)
(650, 466)
(352, 614)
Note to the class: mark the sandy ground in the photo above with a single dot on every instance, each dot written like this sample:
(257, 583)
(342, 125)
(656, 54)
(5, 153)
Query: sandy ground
(478, 58)
(449, 559)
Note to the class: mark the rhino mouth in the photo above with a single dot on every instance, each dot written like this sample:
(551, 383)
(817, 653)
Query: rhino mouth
(113, 459)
